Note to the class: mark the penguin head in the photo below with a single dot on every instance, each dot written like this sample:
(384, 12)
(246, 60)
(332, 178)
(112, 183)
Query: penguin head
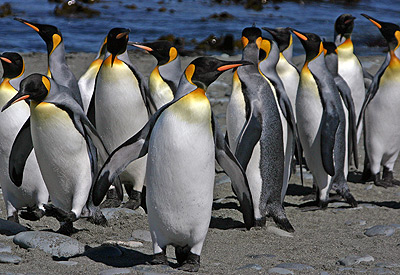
(251, 35)
(390, 31)
(311, 42)
(282, 36)
(50, 34)
(205, 70)
(163, 50)
(13, 65)
(34, 87)
(344, 25)
(265, 48)
(329, 47)
(117, 41)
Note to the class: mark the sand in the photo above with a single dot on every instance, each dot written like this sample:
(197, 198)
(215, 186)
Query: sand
(321, 238)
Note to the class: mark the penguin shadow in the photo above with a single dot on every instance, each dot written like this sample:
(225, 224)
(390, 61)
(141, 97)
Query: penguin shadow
(225, 223)
(355, 177)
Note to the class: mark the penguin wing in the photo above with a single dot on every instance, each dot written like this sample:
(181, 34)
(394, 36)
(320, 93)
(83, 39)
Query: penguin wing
(235, 171)
(20, 151)
(91, 112)
(345, 93)
(248, 138)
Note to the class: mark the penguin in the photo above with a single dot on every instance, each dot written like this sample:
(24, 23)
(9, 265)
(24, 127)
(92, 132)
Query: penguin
(254, 131)
(349, 66)
(32, 193)
(57, 66)
(269, 56)
(87, 80)
(331, 61)
(379, 113)
(164, 79)
(321, 123)
(182, 141)
(120, 107)
(60, 133)
(287, 71)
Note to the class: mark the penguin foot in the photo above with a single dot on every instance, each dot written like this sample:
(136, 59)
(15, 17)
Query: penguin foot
(260, 222)
(182, 253)
(350, 199)
(385, 183)
(112, 200)
(283, 223)
(192, 263)
(159, 259)
(98, 218)
(135, 200)
(389, 178)
(32, 215)
(59, 214)
(67, 229)
(13, 218)
(367, 176)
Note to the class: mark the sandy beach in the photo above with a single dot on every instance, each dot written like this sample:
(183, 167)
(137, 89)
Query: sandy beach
(322, 238)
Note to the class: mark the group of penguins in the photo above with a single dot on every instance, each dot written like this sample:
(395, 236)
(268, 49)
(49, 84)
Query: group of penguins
(75, 142)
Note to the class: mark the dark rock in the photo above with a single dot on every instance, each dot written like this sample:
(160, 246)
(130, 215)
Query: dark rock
(9, 258)
(162, 9)
(132, 7)
(9, 228)
(380, 230)
(354, 260)
(225, 43)
(5, 10)
(56, 244)
(90, 1)
(223, 16)
(73, 8)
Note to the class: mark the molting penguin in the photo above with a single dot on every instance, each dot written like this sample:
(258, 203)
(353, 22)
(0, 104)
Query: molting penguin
(61, 135)
(119, 107)
(182, 142)
(164, 79)
(254, 130)
(380, 113)
(31, 192)
(286, 70)
(321, 123)
(57, 66)
(88, 79)
(349, 66)
(269, 56)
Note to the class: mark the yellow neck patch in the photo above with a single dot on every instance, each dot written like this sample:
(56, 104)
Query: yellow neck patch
(189, 72)
(107, 62)
(397, 35)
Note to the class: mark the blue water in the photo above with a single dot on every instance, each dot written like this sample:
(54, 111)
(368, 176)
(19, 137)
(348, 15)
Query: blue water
(86, 34)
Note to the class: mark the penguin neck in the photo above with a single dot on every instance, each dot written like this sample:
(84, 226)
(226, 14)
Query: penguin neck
(184, 87)
(171, 72)
(346, 49)
(394, 59)
(58, 68)
(331, 61)
(317, 65)
(251, 53)
(288, 52)
(6, 85)
(124, 57)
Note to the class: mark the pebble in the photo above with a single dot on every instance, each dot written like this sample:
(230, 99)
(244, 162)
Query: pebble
(395, 225)
(251, 266)
(387, 265)
(67, 263)
(11, 228)
(354, 260)
(103, 251)
(279, 270)
(128, 244)
(143, 235)
(279, 232)
(9, 258)
(369, 187)
(368, 205)
(56, 244)
(114, 271)
(115, 213)
(295, 266)
(221, 179)
(5, 248)
(380, 230)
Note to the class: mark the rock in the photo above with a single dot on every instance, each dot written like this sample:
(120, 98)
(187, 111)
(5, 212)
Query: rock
(103, 251)
(9, 258)
(132, 7)
(67, 263)
(295, 266)
(380, 230)
(387, 265)
(223, 16)
(5, 10)
(56, 244)
(354, 260)
(143, 235)
(368, 205)
(5, 248)
(114, 271)
(115, 213)
(395, 225)
(73, 8)
(251, 266)
(369, 187)
(279, 232)
(128, 244)
(339, 204)
(279, 270)
(11, 228)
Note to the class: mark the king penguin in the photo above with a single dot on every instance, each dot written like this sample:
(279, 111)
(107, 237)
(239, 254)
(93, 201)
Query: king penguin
(269, 56)
(32, 192)
(182, 142)
(287, 71)
(61, 135)
(164, 79)
(87, 80)
(321, 123)
(380, 113)
(349, 66)
(254, 130)
(57, 66)
(120, 107)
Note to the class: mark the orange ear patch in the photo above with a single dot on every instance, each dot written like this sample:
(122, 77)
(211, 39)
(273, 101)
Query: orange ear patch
(189, 72)
(46, 83)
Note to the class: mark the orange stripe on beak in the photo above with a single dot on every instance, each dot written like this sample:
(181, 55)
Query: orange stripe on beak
(299, 35)
(122, 34)
(6, 60)
(142, 47)
(227, 67)
(21, 98)
(375, 23)
(32, 26)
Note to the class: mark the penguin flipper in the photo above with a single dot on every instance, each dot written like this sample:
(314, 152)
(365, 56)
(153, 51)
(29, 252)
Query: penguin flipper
(232, 167)
(329, 126)
(20, 151)
(345, 93)
(91, 113)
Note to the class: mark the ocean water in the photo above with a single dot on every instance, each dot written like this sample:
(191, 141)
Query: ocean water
(190, 19)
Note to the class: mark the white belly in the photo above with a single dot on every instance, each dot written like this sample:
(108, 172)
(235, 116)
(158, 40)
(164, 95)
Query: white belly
(290, 78)
(62, 155)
